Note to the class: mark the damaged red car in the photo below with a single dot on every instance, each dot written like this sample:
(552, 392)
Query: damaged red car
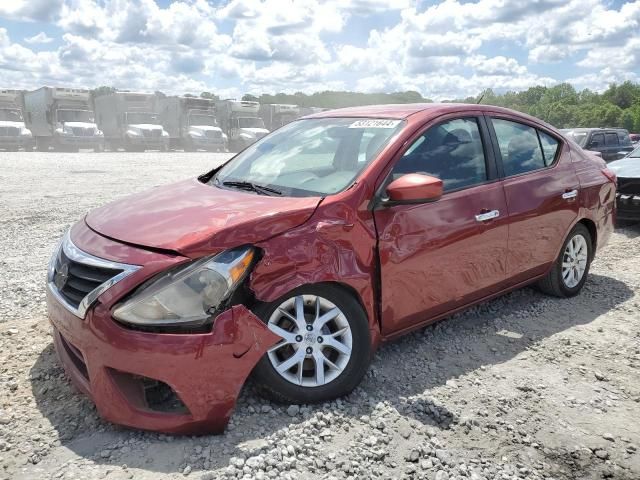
(296, 258)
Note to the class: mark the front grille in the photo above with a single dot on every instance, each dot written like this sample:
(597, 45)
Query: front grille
(629, 186)
(75, 280)
(83, 132)
(213, 134)
(9, 131)
(152, 133)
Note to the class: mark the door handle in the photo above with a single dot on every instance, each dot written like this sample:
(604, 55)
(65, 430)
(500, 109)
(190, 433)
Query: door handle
(568, 195)
(483, 217)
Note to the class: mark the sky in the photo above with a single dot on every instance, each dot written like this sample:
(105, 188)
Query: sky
(442, 49)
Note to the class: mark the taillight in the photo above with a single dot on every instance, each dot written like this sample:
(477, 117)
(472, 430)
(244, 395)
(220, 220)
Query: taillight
(610, 174)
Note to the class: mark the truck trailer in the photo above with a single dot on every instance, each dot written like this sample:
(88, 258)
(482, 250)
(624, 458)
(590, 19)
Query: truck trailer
(275, 115)
(240, 122)
(13, 133)
(62, 119)
(191, 124)
(131, 120)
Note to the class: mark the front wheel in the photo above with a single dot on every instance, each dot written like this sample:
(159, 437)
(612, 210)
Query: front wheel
(325, 347)
(569, 272)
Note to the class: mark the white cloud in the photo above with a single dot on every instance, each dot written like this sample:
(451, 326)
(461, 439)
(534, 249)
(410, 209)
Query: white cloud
(449, 49)
(39, 38)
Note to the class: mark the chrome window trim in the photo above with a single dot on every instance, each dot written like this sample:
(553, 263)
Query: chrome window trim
(77, 255)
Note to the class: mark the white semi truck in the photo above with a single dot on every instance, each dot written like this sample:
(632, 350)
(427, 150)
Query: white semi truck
(131, 120)
(240, 122)
(191, 124)
(275, 115)
(13, 132)
(62, 119)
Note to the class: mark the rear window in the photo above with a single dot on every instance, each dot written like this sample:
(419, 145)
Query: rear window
(549, 147)
(519, 147)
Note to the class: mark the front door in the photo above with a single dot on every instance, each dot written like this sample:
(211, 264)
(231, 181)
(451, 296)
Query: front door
(438, 256)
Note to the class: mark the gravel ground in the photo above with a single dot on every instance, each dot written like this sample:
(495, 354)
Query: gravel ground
(525, 386)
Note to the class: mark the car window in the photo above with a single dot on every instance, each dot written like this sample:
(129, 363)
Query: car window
(597, 139)
(611, 139)
(549, 147)
(624, 138)
(451, 151)
(519, 147)
(316, 156)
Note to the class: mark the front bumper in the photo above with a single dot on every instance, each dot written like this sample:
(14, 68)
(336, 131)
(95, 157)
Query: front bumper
(80, 142)
(149, 142)
(115, 366)
(16, 142)
(628, 206)
(207, 143)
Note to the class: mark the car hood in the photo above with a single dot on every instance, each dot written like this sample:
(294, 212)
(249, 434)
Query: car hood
(145, 126)
(196, 219)
(626, 168)
(80, 124)
(7, 123)
(254, 131)
(204, 128)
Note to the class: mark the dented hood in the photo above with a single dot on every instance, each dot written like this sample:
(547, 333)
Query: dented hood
(196, 219)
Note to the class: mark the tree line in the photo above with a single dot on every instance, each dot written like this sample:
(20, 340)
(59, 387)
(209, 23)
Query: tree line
(561, 105)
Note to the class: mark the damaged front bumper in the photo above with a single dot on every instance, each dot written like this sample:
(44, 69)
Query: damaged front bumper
(172, 383)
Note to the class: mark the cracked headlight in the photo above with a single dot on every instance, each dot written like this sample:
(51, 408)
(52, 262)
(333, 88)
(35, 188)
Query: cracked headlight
(189, 294)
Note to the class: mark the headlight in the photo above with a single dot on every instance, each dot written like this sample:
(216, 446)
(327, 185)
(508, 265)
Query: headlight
(99, 133)
(195, 133)
(25, 132)
(224, 136)
(67, 130)
(247, 136)
(188, 295)
(165, 133)
(134, 133)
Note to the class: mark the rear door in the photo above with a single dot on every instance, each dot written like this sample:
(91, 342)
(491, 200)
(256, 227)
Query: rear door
(541, 189)
(438, 256)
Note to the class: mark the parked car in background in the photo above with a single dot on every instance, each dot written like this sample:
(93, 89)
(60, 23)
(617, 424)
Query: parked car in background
(299, 256)
(13, 132)
(62, 119)
(191, 124)
(635, 138)
(131, 120)
(611, 143)
(628, 194)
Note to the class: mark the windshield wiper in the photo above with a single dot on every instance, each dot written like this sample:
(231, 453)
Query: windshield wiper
(254, 187)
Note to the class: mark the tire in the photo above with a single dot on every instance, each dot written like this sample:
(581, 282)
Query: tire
(338, 381)
(554, 283)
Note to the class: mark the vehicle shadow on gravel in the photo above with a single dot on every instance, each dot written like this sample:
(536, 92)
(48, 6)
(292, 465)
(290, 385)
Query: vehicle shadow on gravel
(403, 375)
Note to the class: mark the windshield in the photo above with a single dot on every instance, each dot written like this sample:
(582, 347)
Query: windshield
(248, 122)
(201, 120)
(314, 157)
(635, 153)
(141, 117)
(10, 115)
(579, 137)
(75, 116)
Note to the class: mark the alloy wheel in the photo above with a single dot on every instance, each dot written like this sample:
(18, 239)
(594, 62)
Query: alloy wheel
(316, 340)
(574, 261)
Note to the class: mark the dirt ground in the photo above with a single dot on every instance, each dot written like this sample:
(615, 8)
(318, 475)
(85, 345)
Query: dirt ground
(525, 386)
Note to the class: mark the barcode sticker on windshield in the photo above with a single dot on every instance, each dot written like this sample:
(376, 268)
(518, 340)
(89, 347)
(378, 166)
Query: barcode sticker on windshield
(374, 123)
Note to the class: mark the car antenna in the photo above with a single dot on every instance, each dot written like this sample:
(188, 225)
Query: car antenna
(481, 97)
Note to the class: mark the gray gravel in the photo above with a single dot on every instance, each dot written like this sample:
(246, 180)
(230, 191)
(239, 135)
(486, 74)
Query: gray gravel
(524, 387)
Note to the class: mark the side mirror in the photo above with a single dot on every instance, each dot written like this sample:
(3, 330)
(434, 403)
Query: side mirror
(594, 144)
(414, 188)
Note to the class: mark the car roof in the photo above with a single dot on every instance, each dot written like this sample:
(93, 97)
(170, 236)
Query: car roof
(594, 129)
(405, 110)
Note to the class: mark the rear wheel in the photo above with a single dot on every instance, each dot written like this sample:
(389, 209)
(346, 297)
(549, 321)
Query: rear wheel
(325, 347)
(571, 268)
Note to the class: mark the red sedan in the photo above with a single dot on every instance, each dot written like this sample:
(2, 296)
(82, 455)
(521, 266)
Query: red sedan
(296, 258)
